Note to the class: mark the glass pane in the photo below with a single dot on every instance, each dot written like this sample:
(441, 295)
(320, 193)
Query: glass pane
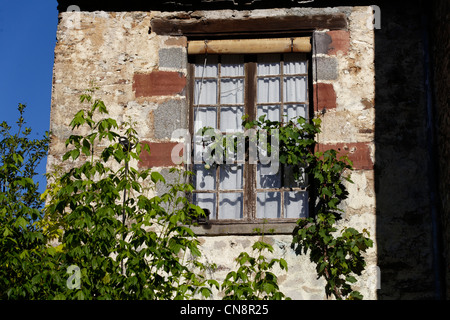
(268, 90)
(206, 201)
(232, 91)
(230, 205)
(293, 64)
(204, 179)
(231, 177)
(231, 118)
(294, 111)
(205, 117)
(234, 149)
(295, 204)
(232, 65)
(211, 66)
(268, 64)
(205, 150)
(266, 180)
(295, 89)
(268, 205)
(271, 112)
(291, 181)
(205, 92)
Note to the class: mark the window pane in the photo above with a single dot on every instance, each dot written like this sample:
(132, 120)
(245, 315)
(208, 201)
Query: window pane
(295, 89)
(211, 66)
(231, 177)
(205, 117)
(289, 177)
(295, 205)
(232, 91)
(204, 179)
(206, 201)
(268, 205)
(266, 180)
(232, 65)
(268, 90)
(268, 64)
(293, 64)
(230, 205)
(219, 94)
(231, 118)
(294, 111)
(205, 92)
(271, 112)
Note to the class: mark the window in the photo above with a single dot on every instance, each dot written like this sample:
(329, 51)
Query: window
(223, 88)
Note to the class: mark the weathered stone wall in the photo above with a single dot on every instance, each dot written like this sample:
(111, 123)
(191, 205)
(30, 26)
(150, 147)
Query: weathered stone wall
(440, 30)
(402, 171)
(142, 75)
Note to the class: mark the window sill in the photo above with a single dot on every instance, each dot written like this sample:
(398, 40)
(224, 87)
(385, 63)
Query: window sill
(225, 228)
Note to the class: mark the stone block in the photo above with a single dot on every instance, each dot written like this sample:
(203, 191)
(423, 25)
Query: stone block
(326, 68)
(176, 41)
(169, 116)
(332, 42)
(173, 58)
(170, 178)
(324, 96)
(160, 155)
(340, 41)
(322, 43)
(358, 152)
(158, 83)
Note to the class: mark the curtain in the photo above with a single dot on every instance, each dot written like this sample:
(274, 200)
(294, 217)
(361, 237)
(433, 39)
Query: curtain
(219, 88)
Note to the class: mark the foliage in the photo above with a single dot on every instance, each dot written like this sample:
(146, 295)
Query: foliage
(337, 257)
(22, 244)
(116, 241)
(126, 245)
(253, 280)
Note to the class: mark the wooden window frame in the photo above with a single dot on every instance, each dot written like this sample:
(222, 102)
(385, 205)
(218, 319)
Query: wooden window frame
(249, 222)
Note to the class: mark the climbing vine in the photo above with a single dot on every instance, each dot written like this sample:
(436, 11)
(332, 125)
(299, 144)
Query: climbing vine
(338, 255)
(123, 244)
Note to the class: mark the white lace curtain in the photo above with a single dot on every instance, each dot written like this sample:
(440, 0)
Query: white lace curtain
(219, 103)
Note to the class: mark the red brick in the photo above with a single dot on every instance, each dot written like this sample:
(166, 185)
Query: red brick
(324, 96)
(340, 41)
(160, 155)
(158, 83)
(358, 153)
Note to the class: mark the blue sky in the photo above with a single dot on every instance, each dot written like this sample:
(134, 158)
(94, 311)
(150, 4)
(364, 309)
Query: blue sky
(27, 43)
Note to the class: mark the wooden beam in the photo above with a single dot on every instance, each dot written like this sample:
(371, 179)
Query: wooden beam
(252, 46)
(203, 27)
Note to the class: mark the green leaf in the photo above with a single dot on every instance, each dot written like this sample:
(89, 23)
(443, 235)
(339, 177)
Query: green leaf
(21, 222)
(355, 295)
(283, 264)
(7, 232)
(60, 296)
(75, 154)
(156, 177)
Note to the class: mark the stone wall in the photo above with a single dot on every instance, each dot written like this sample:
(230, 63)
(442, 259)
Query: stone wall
(440, 32)
(141, 75)
(403, 169)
